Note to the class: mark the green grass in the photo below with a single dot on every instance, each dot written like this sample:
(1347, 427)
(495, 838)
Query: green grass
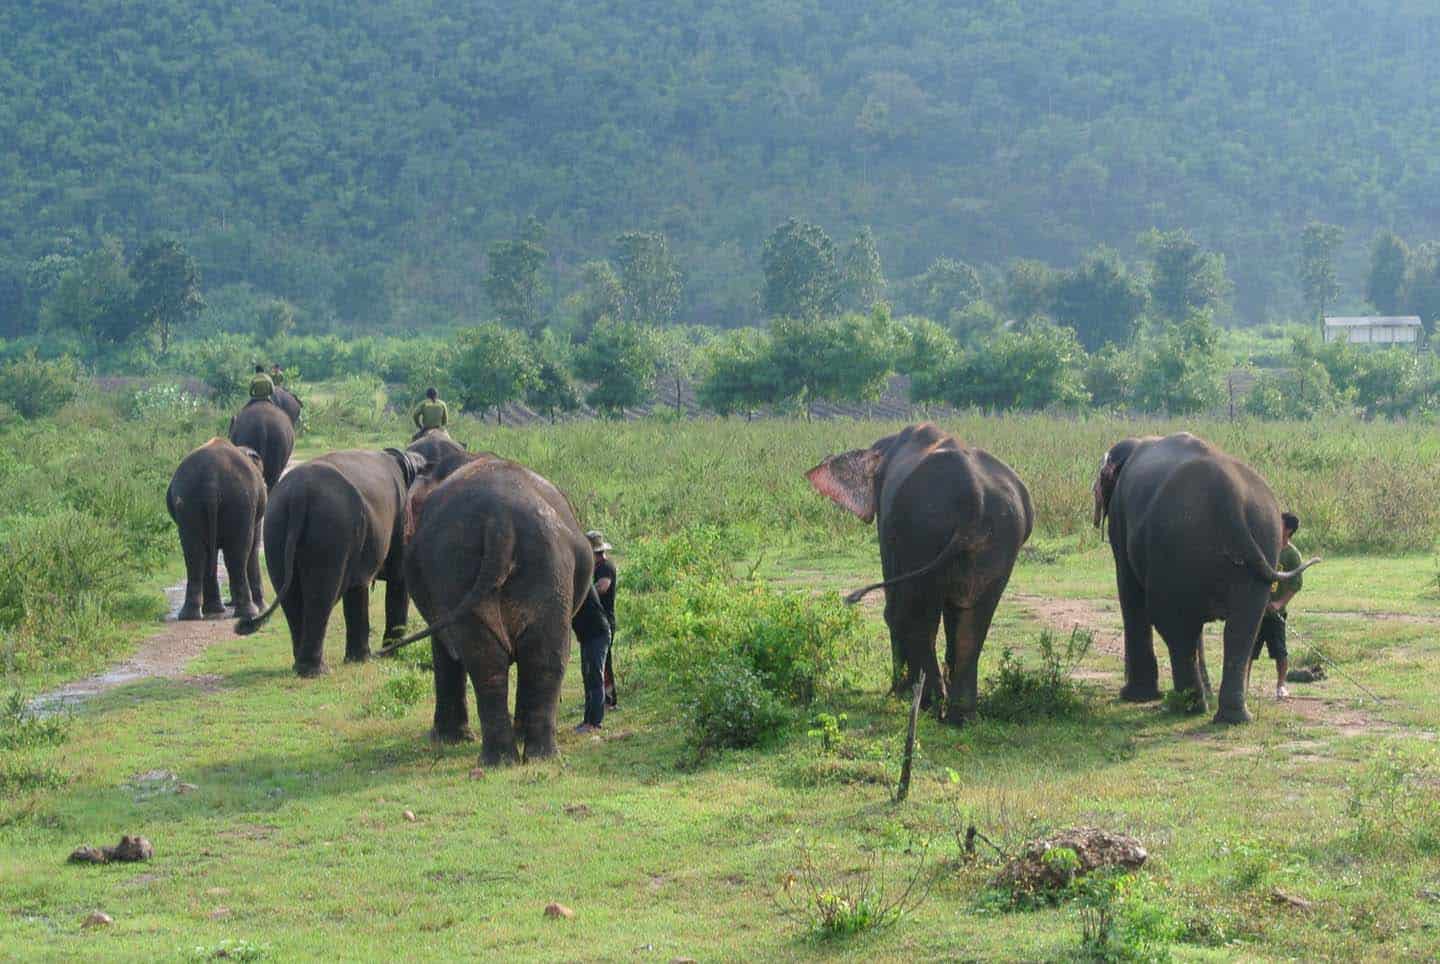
(294, 843)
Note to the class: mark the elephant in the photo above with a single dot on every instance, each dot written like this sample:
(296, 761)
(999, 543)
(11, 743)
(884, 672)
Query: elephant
(435, 445)
(217, 499)
(265, 427)
(1196, 535)
(334, 525)
(288, 403)
(951, 522)
(498, 566)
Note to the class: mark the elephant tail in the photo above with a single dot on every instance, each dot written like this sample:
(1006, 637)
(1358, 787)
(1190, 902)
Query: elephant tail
(296, 523)
(960, 542)
(1265, 572)
(492, 575)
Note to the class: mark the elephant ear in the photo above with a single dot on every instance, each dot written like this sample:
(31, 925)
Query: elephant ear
(1108, 475)
(415, 504)
(848, 479)
(252, 455)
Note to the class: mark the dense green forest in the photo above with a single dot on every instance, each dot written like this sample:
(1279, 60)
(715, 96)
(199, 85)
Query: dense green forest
(359, 158)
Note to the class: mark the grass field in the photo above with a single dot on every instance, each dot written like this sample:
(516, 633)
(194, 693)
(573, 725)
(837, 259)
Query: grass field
(277, 806)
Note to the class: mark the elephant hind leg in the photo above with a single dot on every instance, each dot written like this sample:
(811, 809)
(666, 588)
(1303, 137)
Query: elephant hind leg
(1142, 671)
(195, 556)
(309, 648)
(1241, 629)
(1184, 638)
(214, 605)
(543, 651)
(357, 623)
(487, 661)
(972, 626)
(914, 620)
(452, 717)
(238, 549)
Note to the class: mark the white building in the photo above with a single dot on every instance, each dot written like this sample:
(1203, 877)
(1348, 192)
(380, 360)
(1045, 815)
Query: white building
(1374, 330)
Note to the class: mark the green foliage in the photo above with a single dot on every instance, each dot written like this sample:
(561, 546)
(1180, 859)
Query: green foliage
(1385, 284)
(1185, 279)
(22, 729)
(1120, 923)
(1302, 393)
(552, 391)
(167, 288)
(514, 285)
(34, 387)
(493, 366)
(802, 280)
(1392, 807)
(649, 278)
(1180, 369)
(396, 696)
(620, 359)
(1100, 299)
(829, 729)
(1110, 376)
(1019, 694)
(862, 277)
(1035, 369)
(740, 373)
(1319, 285)
(1029, 289)
(95, 299)
(679, 357)
(833, 359)
(275, 319)
(729, 707)
(946, 289)
(927, 353)
(600, 295)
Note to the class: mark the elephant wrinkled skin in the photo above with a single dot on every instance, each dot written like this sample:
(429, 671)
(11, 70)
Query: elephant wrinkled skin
(334, 525)
(951, 523)
(498, 566)
(436, 445)
(1196, 536)
(265, 427)
(217, 499)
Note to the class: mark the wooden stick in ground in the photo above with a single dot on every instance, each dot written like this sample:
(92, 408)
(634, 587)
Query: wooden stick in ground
(903, 791)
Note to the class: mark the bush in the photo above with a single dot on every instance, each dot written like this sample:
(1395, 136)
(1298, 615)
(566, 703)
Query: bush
(655, 564)
(729, 706)
(1019, 695)
(167, 402)
(396, 696)
(56, 559)
(33, 386)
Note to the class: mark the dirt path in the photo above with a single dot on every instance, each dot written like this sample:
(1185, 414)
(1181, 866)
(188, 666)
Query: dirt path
(163, 655)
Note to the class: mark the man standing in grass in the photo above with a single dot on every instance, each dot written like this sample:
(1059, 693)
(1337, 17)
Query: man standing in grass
(430, 414)
(593, 630)
(1272, 626)
(260, 385)
(605, 577)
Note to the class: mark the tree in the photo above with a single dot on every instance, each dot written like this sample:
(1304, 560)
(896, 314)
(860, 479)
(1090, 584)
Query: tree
(1035, 369)
(833, 359)
(1180, 369)
(95, 298)
(514, 285)
(276, 319)
(1385, 285)
(620, 360)
(862, 278)
(679, 352)
(927, 353)
(552, 391)
(363, 295)
(947, 288)
(167, 288)
(1184, 277)
(493, 366)
(801, 279)
(1100, 299)
(1029, 289)
(1318, 284)
(740, 374)
(1422, 284)
(649, 278)
(600, 296)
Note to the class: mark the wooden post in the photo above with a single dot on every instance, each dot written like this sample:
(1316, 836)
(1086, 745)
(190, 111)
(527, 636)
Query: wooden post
(903, 791)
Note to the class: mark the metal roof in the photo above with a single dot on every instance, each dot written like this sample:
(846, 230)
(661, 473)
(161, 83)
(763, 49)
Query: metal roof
(1373, 321)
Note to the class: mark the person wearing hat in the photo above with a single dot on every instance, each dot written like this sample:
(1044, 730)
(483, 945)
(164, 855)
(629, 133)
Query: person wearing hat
(261, 387)
(430, 414)
(593, 630)
(605, 578)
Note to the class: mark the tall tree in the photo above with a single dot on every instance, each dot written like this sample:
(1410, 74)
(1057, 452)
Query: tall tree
(1029, 289)
(514, 284)
(649, 277)
(620, 360)
(679, 353)
(947, 288)
(862, 276)
(1422, 284)
(1100, 299)
(1385, 284)
(1184, 277)
(1318, 283)
(95, 299)
(494, 366)
(275, 319)
(740, 374)
(167, 288)
(600, 296)
(801, 278)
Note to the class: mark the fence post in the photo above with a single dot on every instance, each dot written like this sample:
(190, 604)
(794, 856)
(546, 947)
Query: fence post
(903, 791)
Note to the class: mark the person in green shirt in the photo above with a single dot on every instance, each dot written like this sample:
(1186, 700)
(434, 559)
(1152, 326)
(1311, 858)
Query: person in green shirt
(277, 375)
(260, 384)
(430, 414)
(1272, 624)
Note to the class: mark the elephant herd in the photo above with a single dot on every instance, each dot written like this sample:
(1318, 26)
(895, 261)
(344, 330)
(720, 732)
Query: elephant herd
(497, 563)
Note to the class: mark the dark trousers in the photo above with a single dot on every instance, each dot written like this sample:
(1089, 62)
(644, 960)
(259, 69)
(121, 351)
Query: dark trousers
(1271, 637)
(592, 666)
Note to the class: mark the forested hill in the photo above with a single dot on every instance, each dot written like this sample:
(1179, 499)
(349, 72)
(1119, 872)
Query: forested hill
(358, 156)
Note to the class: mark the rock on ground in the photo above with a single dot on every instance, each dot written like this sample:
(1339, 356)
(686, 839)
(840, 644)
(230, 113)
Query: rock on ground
(128, 849)
(1094, 849)
(558, 910)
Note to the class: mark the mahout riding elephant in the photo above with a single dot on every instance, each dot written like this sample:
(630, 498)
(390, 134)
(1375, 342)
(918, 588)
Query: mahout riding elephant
(1196, 535)
(217, 499)
(334, 525)
(498, 565)
(951, 523)
(265, 427)
(436, 445)
(287, 403)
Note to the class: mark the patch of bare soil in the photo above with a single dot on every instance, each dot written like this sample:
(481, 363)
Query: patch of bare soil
(1101, 619)
(1414, 619)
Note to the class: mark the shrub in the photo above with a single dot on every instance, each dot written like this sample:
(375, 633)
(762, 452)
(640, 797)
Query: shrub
(21, 729)
(33, 386)
(728, 706)
(165, 402)
(1018, 694)
(56, 559)
(396, 696)
(655, 564)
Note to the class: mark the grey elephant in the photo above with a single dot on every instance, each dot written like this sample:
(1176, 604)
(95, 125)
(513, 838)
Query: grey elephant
(951, 522)
(287, 403)
(498, 565)
(217, 499)
(265, 427)
(435, 445)
(333, 526)
(1196, 535)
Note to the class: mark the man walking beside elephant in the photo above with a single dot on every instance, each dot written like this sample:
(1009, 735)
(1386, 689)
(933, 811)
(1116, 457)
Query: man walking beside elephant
(1273, 623)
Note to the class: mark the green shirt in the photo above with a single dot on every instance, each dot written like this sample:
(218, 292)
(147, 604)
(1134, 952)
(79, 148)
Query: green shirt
(1289, 559)
(261, 386)
(430, 414)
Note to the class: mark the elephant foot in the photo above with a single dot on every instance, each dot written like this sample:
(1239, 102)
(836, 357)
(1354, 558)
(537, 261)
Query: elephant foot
(1234, 714)
(311, 670)
(460, 734)
(503, 757)
(247, 611)
(360, 657)
(188, 612)
(1140, 692)
(539, 749)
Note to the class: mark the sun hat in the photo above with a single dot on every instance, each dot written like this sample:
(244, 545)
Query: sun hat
(597, 541)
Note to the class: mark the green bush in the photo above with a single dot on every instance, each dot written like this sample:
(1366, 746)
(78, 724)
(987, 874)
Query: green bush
(654, 564)
(396, 696)
(1018, 694)
(33, 386)
(51, 561)
(165, 403)
(729, 706)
